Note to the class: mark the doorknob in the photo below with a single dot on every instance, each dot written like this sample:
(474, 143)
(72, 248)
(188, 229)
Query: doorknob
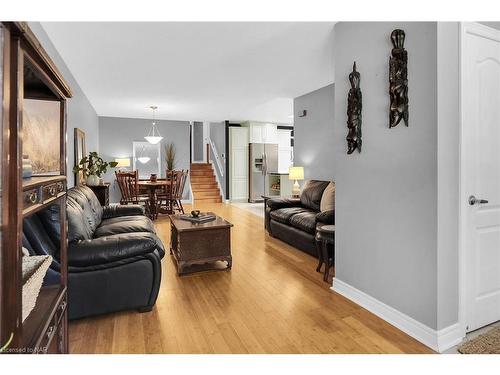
(473, 200)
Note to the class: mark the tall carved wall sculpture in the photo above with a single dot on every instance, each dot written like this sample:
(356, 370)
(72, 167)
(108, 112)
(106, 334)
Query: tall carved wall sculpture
(354, 105)
(398, 79)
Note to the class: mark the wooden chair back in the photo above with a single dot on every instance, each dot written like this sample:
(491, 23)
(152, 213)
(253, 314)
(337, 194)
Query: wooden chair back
(127, 182)
(182, 183)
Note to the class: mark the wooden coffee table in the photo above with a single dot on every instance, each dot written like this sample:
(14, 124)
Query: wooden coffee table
(200, 244)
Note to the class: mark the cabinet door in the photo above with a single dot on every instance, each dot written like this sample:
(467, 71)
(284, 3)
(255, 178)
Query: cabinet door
(256, 133)
(284, 137)
(284, 150)
(270, 133)
(239, 163)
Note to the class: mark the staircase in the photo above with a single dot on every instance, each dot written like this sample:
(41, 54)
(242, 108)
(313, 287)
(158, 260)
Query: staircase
(204, 185)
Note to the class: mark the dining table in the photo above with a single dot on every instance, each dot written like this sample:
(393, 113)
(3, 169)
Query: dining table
(152, 187)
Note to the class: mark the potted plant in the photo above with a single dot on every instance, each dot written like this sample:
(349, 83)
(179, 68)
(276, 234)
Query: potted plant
(93, 167)
(170, 156)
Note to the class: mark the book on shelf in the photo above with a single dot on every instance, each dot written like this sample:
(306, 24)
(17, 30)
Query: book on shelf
(202, 218)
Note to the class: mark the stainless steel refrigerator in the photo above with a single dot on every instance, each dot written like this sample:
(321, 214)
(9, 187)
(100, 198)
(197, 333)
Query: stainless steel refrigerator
(263, 159)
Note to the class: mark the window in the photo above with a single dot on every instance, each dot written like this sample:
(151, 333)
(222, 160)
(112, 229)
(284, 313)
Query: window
(146, 159)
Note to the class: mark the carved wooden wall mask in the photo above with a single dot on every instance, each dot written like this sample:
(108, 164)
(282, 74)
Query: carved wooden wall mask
(398, 80)
(354, 106)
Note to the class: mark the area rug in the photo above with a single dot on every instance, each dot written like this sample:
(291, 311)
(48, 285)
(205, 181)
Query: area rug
(487, 343)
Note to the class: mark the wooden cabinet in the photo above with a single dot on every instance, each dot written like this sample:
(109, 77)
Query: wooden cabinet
(102, 193)
(28, 77)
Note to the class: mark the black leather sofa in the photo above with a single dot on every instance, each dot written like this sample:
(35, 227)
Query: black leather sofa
(114, 255)
(294, 220)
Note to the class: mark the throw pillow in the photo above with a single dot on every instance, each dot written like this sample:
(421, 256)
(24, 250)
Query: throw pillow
(328, 198)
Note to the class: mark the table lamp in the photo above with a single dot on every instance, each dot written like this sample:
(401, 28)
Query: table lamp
(296, 173)
(123, 163)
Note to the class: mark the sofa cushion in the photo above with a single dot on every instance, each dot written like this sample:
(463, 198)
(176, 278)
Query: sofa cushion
(79, 228)
(305, 221)
(312, 193)
(328, 198)
(124, 224)
(89, 203)
(283, 215)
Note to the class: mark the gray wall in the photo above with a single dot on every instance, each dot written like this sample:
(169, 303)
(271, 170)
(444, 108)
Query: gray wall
(197, 141)
(448, 173)
(386, 205)
(117, 134)
(313, 131)
(218, 136)
(80, 114)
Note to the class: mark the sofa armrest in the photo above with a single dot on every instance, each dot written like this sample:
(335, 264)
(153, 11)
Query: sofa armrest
(122, 210)
(276, 203)
(326, 217)
(113, 248)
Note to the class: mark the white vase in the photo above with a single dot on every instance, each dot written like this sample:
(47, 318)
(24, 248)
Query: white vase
(92, 180)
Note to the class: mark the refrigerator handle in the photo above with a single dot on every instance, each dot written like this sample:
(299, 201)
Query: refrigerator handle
(264, 164)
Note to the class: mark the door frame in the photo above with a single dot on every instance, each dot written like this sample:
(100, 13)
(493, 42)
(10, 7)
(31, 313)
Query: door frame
(463, 286)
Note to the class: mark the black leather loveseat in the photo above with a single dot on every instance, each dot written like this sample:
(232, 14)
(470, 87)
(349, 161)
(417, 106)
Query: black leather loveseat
(114, 255)
(294, 220)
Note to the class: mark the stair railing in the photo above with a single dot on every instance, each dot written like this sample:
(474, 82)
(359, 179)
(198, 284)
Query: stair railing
(216, 156)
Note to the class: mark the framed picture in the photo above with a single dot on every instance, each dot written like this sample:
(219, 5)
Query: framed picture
(41, 135)
(80, 152)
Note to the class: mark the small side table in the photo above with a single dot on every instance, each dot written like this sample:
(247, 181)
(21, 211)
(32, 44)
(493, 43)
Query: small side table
(102, 193)
(325, 235)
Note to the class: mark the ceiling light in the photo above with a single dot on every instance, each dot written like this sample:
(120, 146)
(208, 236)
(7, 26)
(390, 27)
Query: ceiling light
(143, 159)
(153, 136)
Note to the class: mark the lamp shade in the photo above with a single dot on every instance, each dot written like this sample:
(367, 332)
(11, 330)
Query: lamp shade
(122, 162)
(296, 173)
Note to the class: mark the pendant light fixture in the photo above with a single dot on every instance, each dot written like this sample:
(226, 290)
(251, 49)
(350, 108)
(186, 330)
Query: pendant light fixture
(153, 136)
(143, 159)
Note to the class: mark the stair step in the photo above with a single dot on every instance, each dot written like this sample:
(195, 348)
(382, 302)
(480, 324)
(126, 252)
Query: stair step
(201, 166)
(202, 180)
(211, 188)
(206, 194)
(208, 200)
(204, 185)
(201, 174)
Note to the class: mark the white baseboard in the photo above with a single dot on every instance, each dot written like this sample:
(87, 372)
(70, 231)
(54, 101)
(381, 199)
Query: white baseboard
(449, 337)
(437, 340)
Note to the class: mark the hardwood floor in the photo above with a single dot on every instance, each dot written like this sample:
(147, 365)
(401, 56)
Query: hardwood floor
(272, 301)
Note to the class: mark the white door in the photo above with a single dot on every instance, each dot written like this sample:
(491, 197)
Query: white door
(238, 163)
(480, 148)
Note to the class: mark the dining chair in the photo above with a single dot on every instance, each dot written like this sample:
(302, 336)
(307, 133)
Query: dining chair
(164, 196)
(179, 191)
(170, 200)
(127, 182)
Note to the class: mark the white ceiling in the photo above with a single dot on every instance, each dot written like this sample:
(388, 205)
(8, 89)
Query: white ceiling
(209, 71)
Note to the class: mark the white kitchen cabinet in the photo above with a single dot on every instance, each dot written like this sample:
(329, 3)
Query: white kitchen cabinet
(238, 173)
(285, 153)
(256, 133)
(270, 133)
(263, 133)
